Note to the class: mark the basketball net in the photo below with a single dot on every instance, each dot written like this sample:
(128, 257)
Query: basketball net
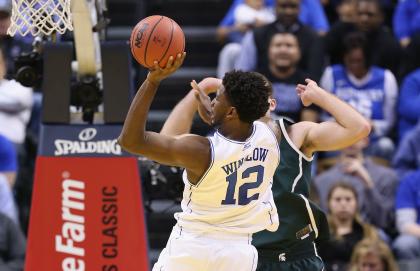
(40, 17)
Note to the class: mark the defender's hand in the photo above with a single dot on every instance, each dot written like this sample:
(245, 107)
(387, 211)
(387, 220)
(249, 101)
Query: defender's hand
(309, 93)
(157, 74)
(204, 104)
(209, 84)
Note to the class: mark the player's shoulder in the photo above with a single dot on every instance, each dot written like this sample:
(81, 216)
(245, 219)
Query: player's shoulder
(274, 126)
(192, 141)
(297, 134)
(193, 137)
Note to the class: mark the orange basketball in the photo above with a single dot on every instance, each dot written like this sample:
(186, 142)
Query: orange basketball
(156, 38)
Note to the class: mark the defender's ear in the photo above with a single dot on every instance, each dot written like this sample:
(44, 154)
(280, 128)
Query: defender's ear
(273, 104)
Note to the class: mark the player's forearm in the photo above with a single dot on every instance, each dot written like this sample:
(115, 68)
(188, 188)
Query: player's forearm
(133, 133)
(181, 118)
(345, 115)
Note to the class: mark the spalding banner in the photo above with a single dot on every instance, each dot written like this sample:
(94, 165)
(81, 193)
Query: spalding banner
(87, 215)
(80, 141)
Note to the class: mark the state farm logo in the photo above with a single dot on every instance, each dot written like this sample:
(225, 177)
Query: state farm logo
(86, 145)
(87, 134)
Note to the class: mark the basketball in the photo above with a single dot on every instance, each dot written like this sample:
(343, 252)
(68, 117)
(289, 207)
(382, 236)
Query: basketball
(156, 38)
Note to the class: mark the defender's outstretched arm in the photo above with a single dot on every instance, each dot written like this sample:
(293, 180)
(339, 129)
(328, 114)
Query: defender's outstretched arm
(350, 125)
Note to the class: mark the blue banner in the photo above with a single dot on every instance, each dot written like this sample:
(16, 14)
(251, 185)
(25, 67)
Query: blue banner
(80, 141)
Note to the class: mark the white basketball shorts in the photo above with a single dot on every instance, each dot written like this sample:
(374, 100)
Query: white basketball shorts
(192, 251)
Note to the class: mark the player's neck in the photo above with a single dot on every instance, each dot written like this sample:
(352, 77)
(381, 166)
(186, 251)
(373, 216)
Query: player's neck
(238, 131)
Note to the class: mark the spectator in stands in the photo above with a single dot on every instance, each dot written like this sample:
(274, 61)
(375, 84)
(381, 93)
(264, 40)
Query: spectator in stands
(409, 101)
(15, 106)
(284, 73)
(372, 255)
(406, 21)
(369, 89)
(253, 55)
(8, 168)
(407, 244)
(375, 184)
(383, 47)
(411, 56)
(407, 29)
(407, 157)
(346, 227)
(8, 160)
(246, 16)
(311, 14)
(346, 11)
(12, 245)
(12, 47)
(7, 201)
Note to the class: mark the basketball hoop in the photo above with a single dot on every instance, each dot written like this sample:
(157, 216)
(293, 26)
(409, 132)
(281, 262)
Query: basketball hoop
(40, 17)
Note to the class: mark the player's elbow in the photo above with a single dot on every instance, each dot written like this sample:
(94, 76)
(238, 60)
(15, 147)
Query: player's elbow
(129, 145)
(364, 128)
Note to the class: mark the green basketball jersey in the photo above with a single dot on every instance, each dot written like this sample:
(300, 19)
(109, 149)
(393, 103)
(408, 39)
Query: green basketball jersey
(301, 221)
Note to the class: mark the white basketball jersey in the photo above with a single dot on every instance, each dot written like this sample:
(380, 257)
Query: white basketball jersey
(234, 195)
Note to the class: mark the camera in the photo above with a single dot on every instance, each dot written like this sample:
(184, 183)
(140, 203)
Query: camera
(86, 93)
(28, 69)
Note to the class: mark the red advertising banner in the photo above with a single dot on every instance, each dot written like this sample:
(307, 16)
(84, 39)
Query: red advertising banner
(87, 214)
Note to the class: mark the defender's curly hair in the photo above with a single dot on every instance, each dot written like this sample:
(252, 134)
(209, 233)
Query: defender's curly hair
(248, 92)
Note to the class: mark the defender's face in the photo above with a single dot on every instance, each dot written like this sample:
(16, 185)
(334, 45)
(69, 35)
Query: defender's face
(220, 106)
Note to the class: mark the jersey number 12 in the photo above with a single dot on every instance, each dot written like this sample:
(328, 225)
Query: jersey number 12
(243, 189)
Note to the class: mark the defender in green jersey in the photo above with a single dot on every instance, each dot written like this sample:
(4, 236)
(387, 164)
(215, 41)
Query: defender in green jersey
(302, 223)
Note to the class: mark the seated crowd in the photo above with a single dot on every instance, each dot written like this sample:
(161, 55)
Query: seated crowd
(367, 52)
(366, 57)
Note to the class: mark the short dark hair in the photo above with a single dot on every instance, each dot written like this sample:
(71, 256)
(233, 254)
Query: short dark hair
(248, 92)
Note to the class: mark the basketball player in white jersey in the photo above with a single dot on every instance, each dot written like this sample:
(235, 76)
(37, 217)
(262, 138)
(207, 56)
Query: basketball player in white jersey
(227, 195)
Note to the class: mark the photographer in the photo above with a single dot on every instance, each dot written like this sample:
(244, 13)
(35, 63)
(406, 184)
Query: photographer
(15, 106)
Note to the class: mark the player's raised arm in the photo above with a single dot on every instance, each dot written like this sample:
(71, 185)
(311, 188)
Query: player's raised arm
(350, 126)
(181, 118)
(161, 148)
